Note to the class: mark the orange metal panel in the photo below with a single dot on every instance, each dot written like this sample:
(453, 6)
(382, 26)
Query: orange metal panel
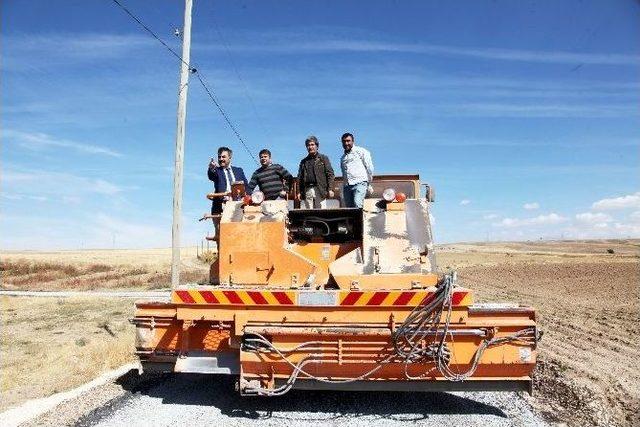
(346, 340)
(350, 356)
(323, 254)
(235, 265)
(250, 267)
(295, 314)
(386, 281)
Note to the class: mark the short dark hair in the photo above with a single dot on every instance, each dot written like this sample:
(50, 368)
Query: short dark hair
(264, 151)
(223, 149)
(312, 138)
(346, 134)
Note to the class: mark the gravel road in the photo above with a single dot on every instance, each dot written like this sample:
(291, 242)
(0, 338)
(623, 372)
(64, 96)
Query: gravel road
(200, 399)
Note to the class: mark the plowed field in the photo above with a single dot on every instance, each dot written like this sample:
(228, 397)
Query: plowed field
(588, 306)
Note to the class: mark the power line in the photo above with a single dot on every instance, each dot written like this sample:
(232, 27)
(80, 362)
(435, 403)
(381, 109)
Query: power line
(194, 71)
(235, 69)
(150, 31)
(224, 115)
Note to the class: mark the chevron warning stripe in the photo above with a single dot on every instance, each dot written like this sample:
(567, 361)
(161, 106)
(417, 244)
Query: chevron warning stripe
(288, 298)
(397, 298)
(232, 297)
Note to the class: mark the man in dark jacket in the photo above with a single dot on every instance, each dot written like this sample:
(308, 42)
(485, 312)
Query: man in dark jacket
(223, 175)
(315, 177)
(273, 179)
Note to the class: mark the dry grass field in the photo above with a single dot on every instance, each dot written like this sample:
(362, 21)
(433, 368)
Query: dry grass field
(54, 344)
(96, 270)
(586, 294)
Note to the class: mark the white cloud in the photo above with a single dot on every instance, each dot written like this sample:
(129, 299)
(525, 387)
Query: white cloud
(54, 184)
(623, 202)
(287, 42)
(37, 141)
(10, 196)
(551, 219)
(635, 216)
(593, 218)
(39, 198)
(464, 202)
(87, 230)
(27, 51)
(491, 216)
(138, 234)
(71, 200)
(627, 230)
(104, 187)
(516, 109)
(531, 206)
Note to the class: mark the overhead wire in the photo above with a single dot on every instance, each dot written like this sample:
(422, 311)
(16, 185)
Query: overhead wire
(213, 98)
(150, 31)
(201, 78)
(237, 72)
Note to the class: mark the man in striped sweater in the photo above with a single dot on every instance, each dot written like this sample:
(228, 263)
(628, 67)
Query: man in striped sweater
(273, 179)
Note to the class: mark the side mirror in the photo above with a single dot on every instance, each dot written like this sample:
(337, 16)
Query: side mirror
(430, 193)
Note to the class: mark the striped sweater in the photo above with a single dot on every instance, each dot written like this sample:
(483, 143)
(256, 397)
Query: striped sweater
(270, 179)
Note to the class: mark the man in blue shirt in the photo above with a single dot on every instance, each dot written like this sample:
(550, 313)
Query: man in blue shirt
(223, 175)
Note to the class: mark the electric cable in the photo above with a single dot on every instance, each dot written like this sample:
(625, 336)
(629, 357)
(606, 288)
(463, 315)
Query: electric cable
(421, 326)
(194, 71)
(150, 31)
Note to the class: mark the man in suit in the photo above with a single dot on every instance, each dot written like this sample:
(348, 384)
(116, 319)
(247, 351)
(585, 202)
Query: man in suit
(223, 175)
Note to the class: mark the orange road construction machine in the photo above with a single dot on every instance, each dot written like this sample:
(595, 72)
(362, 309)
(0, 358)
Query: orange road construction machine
(336, 298)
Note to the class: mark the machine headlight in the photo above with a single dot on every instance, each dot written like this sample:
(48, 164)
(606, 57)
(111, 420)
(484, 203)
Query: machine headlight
(257, 197)
(389, 195)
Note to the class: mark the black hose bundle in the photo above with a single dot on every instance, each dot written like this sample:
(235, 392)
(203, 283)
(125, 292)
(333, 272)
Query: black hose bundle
(422, 326)
(422, 336)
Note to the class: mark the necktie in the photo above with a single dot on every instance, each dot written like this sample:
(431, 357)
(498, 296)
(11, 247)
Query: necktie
(226, 177)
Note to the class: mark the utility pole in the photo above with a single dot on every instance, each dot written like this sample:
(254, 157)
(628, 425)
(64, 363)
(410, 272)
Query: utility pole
(179, 159)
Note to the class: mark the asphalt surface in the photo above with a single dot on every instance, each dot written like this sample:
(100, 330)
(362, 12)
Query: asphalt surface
(212, 400)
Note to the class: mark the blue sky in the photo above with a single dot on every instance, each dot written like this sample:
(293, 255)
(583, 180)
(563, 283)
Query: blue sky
(523, 115)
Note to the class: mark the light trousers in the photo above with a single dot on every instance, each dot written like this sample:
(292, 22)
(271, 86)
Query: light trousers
(312, 200)
(354, 194)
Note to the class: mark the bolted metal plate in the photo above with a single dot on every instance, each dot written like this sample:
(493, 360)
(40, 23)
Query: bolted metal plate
(317, 298)
(200, 362)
